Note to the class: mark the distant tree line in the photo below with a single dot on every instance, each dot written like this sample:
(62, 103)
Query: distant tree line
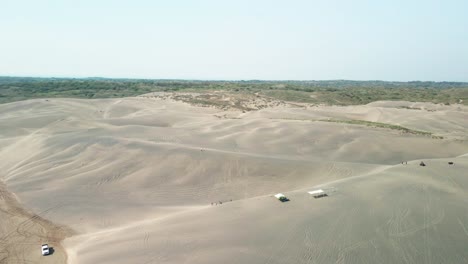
(331, 92)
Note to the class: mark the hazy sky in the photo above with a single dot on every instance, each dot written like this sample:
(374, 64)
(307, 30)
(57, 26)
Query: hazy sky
(240, 39)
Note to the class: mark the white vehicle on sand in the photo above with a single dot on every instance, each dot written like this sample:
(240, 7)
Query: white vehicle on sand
(45, 250)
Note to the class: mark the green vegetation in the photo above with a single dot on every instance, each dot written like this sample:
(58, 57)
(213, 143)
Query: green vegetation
(339, 92)
(382, 125)
(370, 124)
(365, 95)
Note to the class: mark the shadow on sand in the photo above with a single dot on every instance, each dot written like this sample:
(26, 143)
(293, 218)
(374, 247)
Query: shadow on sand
(51, 251)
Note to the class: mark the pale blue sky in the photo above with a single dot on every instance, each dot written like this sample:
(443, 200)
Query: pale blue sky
(399, 40)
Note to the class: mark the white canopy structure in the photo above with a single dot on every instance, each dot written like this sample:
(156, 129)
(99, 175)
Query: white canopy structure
(279, 195)
(317, 192)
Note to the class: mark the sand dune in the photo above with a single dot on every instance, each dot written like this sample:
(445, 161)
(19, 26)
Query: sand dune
(134, 179)
(406, 214)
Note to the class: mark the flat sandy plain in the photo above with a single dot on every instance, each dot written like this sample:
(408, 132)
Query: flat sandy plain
(133, 180)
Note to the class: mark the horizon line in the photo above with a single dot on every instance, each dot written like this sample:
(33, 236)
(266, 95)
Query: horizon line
(222, 80)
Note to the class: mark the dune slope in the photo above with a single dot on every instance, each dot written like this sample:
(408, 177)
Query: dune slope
(135, 179)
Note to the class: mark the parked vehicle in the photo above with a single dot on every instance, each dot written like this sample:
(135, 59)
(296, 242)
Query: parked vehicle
(45, 250)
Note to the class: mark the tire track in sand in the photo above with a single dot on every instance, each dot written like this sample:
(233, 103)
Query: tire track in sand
(23, 232)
